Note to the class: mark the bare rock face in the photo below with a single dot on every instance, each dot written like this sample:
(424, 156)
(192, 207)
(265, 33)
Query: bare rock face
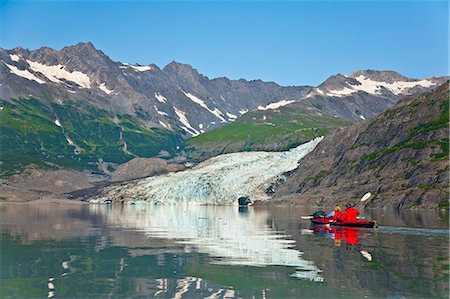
(401, 156)
(139, 168)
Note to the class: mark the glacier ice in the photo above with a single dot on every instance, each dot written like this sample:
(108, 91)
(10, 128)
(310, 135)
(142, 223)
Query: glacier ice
(216, 181)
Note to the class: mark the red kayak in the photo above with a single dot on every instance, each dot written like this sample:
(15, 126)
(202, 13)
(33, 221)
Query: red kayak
(357, 223)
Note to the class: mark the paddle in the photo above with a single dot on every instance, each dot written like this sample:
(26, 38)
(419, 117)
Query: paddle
(366, 255)
(363, 199)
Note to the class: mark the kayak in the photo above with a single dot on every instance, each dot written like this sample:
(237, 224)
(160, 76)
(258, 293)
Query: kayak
(357, 223)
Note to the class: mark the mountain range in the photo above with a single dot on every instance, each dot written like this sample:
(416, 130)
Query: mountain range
(77, 108)
(176, 96)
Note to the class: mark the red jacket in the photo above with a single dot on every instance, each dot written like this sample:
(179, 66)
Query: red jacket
(350, 215)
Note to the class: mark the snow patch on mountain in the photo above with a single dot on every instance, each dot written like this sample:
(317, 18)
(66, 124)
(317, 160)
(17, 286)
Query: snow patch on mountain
(231, 117)
(23, 73)
(56, 72)
(183, 119)
(342, 92)
(200, 102)
(375, 87)
(243, 111)
(163, 124)
(14, 57)
(105, 89)
(160, 112)
(139, 68)
(160, 98)
(276, 105)
(57, 123)
(398, 87)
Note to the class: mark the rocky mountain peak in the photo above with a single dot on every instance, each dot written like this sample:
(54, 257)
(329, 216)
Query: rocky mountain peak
(337, 81)
(82, 47)
(180, 69)
(380, 76)
(186, 76)
(21, 51)
(86, 50)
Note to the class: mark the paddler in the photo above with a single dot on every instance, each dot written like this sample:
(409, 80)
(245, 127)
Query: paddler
(336, 213)
(350, 213)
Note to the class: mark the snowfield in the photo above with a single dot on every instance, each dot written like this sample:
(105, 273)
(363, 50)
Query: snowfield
(160, 98)
(375, 87)
(183, 119)
(24, 73)
(202, 104)
(56, 72)
(103, 88)
(276, 105)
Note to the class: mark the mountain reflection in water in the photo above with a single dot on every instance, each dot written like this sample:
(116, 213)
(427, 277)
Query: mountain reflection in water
(230, 237)
(98, 251)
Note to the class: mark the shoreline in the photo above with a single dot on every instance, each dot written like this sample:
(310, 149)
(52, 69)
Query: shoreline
(278, 203)
(46, 200)
(44, 194)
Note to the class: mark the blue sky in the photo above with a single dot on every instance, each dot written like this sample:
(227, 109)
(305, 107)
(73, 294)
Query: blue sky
(290, 43)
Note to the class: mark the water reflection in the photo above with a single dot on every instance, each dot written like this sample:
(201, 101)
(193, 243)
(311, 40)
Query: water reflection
(350, 235)
(48, 221)
(228, 235)
(217, 252)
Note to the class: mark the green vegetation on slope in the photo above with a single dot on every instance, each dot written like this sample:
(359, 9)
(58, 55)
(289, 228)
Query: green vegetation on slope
(263, 130)
(29, 135)
(417, 138)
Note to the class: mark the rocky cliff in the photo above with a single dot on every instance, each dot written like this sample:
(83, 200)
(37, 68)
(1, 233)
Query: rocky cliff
(401, 156)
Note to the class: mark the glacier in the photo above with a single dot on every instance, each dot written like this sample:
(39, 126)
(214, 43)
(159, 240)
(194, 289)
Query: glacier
(216, 181)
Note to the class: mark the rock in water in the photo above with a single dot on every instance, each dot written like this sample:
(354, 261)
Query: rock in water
(244, 201)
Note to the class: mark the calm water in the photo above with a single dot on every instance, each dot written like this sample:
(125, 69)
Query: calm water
(98, 251)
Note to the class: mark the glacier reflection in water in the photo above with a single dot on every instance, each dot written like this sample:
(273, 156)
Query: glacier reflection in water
(219, 180)
(226, 235)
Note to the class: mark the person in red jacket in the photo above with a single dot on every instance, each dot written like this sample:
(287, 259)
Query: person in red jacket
(350, 213)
